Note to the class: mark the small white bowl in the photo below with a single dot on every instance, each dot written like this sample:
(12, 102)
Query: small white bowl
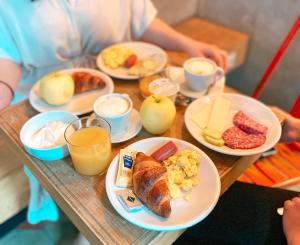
(39, 121)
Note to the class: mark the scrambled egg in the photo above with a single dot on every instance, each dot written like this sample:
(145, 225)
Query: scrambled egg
(143, 68)
(182, 172)
(115, 56)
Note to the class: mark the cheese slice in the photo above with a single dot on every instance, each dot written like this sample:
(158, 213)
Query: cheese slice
(218, 118)
(213, 141)
(201, 118)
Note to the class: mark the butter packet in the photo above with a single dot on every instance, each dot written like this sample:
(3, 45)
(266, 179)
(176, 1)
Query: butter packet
(126, 160)
(128, 200)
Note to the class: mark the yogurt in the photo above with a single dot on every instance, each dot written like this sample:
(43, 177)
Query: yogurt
(51, 135)
(164, 86)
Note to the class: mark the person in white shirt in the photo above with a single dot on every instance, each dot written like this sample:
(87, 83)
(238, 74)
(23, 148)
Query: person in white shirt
(41, 36)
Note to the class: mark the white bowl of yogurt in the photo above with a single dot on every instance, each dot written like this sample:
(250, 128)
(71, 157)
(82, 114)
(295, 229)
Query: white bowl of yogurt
(43, 135)
(116, 109)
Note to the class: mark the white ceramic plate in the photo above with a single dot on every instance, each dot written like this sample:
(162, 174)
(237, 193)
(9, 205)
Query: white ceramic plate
(253, 108)
(142, 50)
(184, 213)
(80, 103)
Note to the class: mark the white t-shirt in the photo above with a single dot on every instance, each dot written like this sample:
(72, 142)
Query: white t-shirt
(48, 35)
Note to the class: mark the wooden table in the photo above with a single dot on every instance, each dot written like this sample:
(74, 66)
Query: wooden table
(84, 199)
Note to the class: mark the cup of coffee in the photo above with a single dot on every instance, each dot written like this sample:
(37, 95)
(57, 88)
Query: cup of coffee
(200, 73)
(116, 109)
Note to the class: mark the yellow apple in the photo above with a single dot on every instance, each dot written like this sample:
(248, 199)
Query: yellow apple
(57, 88)
(157, 114)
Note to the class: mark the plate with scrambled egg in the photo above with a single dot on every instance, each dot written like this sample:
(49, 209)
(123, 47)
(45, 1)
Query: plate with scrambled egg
(132, 60)
(193, 181)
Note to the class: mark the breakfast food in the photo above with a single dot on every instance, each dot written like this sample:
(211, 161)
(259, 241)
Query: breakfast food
(116, 56)
(164, 86)
(182, 172)
(124, 176)
(236, 138)
(150, 184)
(248, 125)
(130, 61)
(119, 56)
(216, 121)
(144, 84)
(56, 88)
(84, 82)
(128, 200)
(157, 114)
(246, 134)
(142, 67)
(164, 151)
(51, 135)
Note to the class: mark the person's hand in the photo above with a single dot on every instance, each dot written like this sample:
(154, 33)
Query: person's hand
(291, 126)
(5, 96)
(291, 220)
(195, 48)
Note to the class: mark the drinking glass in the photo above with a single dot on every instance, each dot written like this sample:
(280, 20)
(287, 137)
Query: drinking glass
(89, 144)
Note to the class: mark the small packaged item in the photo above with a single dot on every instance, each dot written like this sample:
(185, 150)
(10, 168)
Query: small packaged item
(126, 160)
(128, 200)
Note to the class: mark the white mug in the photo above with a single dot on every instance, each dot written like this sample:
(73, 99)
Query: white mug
(118, 123)
(200, 73)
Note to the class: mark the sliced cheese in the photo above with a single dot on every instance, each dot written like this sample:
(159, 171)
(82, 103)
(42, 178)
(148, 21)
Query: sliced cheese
(201, 118)
(218, 118)
(213, 141)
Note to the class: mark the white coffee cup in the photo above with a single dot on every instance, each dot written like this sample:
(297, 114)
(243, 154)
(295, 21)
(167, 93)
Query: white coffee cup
(201, 72)
(116, 109)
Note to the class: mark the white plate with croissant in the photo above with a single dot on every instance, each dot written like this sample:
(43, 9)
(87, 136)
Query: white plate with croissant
(89, 85)
(183, 213)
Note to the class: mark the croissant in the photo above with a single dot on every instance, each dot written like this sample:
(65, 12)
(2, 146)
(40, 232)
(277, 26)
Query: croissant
(150, 184)
(84, 82)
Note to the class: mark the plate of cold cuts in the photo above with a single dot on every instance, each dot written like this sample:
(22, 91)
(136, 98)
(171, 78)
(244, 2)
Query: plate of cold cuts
(233, 124)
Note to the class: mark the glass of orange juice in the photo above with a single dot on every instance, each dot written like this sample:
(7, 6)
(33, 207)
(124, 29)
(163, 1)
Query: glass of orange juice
(89, 144)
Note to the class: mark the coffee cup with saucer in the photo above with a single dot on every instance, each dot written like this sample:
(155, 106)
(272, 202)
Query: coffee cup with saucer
(201, 74)
(118, 110)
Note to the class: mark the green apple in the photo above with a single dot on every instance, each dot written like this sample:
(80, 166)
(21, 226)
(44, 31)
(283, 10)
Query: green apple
(57, 88)
(157, 114)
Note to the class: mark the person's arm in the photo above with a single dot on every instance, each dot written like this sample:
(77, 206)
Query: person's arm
(160, 33)
(291, 126)
(291, 221)
(10, 73)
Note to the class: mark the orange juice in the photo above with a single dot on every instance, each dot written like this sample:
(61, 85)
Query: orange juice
(90, 150)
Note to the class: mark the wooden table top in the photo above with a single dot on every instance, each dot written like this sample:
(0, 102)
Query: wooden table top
(84, 199)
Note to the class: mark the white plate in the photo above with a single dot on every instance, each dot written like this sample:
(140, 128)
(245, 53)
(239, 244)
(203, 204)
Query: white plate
(142, 50)
(184, 213)
(255, 109)
(177, 75)
(80, 103)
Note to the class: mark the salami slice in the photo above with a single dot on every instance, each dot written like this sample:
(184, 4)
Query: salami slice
(247, 124)
(236, 138)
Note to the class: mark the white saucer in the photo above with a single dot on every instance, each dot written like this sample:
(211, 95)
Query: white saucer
(134, 127)
(177, 75)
